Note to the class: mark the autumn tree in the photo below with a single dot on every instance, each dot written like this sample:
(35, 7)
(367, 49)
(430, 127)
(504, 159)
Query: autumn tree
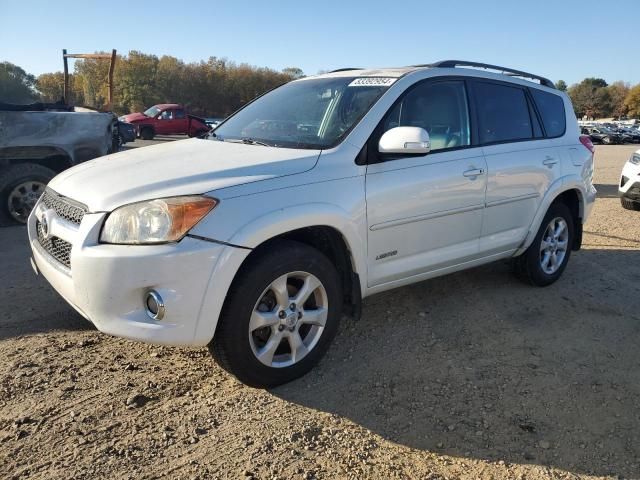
(618, 92)
(50, 86)
(632, 102)
(135, 81)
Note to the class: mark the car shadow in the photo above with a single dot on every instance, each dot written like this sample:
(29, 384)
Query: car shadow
(606, 190)
(29, 304)
(478, 365)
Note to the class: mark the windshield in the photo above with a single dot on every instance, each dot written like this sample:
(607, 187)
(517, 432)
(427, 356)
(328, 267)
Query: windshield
(314, 113)
(152, 112)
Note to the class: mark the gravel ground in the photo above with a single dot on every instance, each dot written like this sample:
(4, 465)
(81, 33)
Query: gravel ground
(473, 375)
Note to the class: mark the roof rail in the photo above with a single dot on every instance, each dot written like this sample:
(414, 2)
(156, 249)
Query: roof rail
(345, 69)
(508, 71)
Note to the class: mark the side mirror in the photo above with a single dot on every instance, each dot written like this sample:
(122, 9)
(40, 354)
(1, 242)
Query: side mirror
(405, 140)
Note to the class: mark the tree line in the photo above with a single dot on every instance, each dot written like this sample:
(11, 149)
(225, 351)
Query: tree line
(217, 87)
(594, 98)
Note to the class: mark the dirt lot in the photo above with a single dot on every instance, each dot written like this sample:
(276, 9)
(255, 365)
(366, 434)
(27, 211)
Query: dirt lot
(473, 375)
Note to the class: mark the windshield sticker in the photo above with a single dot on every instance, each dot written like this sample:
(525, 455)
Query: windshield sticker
(372, 82)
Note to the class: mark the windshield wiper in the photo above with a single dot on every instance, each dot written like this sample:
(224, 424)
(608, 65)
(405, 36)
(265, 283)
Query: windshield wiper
(247, 141)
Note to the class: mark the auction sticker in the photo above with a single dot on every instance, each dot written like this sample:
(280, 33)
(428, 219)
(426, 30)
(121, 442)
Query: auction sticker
(372, 82)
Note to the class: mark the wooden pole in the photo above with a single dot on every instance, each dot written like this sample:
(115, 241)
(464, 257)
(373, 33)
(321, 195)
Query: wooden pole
(110, 84)
(65, 93)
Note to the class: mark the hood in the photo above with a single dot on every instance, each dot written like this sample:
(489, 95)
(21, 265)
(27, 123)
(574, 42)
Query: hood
(134, 117)
(184, 167)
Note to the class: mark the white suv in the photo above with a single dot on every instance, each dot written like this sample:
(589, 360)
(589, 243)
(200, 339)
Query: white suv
(324, 191)
(629, 189)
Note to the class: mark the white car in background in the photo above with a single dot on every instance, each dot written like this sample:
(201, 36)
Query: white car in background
(629, 189)
(256, 239)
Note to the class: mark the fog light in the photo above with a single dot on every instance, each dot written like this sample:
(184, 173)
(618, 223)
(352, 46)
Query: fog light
(154, 305)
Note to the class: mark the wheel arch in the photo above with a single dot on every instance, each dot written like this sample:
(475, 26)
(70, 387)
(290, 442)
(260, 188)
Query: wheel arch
(323, 226)
(52, 157)
(569, 191)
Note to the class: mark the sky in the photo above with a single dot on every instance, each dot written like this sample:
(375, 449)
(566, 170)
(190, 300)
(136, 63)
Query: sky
(562, 39)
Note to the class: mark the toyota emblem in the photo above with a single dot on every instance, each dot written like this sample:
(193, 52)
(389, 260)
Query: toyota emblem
(45, 226)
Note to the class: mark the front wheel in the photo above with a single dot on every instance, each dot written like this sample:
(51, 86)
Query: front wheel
(21, 186)
(629, 204)
(146, 133)
(280, 315)
(547, 257)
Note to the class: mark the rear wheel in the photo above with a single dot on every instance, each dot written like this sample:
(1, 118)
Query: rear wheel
(629, 204)
(280, 315)
(21, 186)
(547, 256)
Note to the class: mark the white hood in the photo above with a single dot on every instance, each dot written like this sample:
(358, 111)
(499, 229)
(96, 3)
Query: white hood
(183, 167)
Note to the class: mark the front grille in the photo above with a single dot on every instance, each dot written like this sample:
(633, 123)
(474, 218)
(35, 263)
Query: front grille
(63, 207)
(54, 246)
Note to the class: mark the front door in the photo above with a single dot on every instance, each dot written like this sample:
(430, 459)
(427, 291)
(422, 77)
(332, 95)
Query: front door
(424, 213)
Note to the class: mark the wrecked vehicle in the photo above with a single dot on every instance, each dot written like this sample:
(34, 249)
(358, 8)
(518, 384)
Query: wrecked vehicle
(39, 141)
(166, 119)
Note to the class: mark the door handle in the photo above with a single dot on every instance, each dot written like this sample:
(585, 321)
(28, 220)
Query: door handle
(474, 172)
(549, 161)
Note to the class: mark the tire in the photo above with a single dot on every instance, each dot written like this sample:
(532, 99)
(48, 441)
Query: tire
(146, 133)
(530, 267)
(606, 140)
(237, 349)
(20, 187)
(629, 204)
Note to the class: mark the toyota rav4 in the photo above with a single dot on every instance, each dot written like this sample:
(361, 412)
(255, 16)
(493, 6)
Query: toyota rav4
(328, 189)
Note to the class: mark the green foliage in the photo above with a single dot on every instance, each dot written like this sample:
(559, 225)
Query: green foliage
(16, 85)
(591, 98)
(561, 85)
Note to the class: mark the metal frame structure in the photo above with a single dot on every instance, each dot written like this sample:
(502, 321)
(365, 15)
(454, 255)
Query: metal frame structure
(100, 56)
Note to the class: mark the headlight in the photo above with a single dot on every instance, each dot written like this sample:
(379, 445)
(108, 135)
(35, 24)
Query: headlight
(155, 221)
(635, 159)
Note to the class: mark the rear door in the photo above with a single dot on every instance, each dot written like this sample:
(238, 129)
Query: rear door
(521, 162)
(424, 212)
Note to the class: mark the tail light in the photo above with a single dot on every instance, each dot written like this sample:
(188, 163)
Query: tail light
(586, 141)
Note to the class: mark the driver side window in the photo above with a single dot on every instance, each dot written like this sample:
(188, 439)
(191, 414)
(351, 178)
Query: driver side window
(166, 115)
(438, 107)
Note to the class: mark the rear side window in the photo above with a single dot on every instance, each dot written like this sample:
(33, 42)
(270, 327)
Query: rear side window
(503, 113)
(551, 108)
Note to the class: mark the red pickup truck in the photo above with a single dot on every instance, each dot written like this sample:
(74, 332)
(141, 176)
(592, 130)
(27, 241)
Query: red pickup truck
(166, 119)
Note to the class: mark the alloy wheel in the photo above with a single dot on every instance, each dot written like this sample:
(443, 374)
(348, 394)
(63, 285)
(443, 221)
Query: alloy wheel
(288, 319)
(553, 246)
(23, 198)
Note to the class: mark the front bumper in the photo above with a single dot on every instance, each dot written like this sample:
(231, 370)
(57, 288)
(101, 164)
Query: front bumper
(107, 283)
(629, 186)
